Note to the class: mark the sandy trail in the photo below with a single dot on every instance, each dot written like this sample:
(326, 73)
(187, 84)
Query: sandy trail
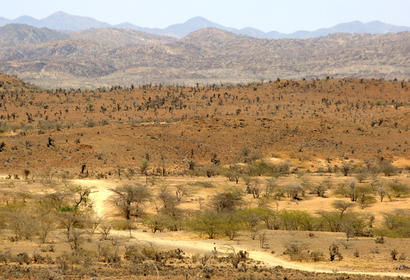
(207, 247)
(101, 193)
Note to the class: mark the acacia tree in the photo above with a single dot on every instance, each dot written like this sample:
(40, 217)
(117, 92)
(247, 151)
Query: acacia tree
(365, 196)
(130, 199)
(208, 222)
(342, 206)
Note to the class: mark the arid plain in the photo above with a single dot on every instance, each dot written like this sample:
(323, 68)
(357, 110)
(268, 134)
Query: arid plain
(283, 179)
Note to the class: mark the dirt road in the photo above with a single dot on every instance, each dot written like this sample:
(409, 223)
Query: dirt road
(101, 193)
(207, 247)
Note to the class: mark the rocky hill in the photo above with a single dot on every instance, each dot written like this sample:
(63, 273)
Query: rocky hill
(103, 57)
(117, 37)
(15, 34)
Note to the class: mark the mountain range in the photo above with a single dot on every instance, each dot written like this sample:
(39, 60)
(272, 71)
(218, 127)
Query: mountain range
(67, 22)
(111, 56)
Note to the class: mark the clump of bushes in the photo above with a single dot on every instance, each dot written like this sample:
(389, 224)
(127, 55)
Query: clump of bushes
(263, 168)
(396, 224)
(298, 251)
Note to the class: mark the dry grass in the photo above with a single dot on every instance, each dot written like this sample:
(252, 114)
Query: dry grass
(314, 126)
(308, 121)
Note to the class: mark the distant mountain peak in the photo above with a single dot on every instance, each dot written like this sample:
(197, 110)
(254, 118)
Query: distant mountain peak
(25, 18)
(57, 14)
(61, 20)
(60, 13)
(198, 19)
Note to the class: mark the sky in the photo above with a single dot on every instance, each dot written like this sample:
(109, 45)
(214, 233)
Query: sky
(266, 15)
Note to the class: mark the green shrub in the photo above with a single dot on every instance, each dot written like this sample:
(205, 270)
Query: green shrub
(399, 190)
(213, 223)
(296, 220)
(365, 196)
(251, 219)
(353, 224)
(396, 224)
(267, 216)
(208, 222)
(231, 224)
(163, 221)
(329, 221)
(263, 168)
(206, 171)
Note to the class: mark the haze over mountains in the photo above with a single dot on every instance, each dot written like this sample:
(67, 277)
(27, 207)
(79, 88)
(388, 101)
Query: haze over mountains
(64, 21)
(107, 56)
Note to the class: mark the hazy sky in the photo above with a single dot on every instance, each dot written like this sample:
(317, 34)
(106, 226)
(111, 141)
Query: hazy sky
(267, 15)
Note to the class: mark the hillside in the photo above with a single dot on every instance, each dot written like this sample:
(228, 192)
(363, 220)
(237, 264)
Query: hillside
(106, 128)
(103, 57)
(116, 37)
(15, 34)
(58, 21)
(290, 174)
(201, 151)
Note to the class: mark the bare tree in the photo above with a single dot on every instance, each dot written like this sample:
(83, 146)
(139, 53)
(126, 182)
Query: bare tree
(169, 202)
(129, 199)
(346, 168)
(181, 191)
(105, 229)
(69, 220)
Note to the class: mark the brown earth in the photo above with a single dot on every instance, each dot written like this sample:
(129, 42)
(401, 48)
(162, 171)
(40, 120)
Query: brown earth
(105, 57)
(313, 123)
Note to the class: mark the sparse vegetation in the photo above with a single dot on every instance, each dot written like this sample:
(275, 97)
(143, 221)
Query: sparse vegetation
(171, 171)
